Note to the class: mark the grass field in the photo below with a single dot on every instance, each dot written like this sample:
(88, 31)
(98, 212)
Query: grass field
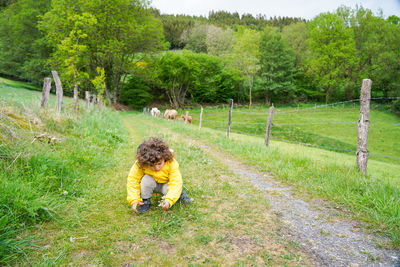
(331, 175)
(333, 128)
(92, 223)
(65, 203)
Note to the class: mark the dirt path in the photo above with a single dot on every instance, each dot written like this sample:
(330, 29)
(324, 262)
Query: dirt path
(327, 237)
(332, 240)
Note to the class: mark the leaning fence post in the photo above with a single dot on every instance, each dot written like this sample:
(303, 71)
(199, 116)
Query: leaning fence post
(269, 123)
(186, 118)
(59, 90)
(45, 92)
(230, 118)
(201, 117)
(363, 125)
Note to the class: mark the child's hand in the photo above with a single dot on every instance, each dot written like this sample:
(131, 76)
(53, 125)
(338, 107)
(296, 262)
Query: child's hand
(134, 205)
(166, 206)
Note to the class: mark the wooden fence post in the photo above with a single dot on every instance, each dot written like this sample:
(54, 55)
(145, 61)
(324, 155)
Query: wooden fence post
(269, 123)
(94, 100)
(101, 104)
(363, 125)
(87, 98)
(201, 117)
(59, 90)
(186, 118)
(76, 98)
(230, 118)
(45, 92)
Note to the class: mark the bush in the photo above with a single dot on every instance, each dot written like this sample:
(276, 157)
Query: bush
(395, 107)
(136, 93)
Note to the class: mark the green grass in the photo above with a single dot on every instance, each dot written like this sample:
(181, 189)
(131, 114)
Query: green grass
(93, 224)
(373, 199)
(18, 85)
(38, 178)
(312, 126)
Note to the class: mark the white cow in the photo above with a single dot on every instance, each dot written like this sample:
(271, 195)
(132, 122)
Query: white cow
(155, 112)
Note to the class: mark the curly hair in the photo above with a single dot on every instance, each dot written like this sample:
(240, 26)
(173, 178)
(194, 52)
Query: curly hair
(152, 151)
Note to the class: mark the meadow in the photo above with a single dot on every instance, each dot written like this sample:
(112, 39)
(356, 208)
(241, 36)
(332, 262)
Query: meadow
(65, 202)
(62, 202)
(333, 128)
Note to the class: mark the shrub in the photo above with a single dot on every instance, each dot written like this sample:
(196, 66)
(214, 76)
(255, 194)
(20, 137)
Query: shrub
(395, 107)
(136, 93)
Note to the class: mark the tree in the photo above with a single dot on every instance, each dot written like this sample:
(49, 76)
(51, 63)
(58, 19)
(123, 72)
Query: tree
(393, 19)
(277, 69)
(245, 56)
(377, 44)
(332, 53)
(23, 48)
(176, 74)
(196, 38)
(296, 36)
(124, 28)
(174, 26)
(219, 41)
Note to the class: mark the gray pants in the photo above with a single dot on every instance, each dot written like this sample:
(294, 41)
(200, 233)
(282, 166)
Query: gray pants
(148, 186)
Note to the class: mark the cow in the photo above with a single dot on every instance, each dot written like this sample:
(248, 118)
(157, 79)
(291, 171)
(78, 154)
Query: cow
(189, 118)
(170, 114)
(155, 112)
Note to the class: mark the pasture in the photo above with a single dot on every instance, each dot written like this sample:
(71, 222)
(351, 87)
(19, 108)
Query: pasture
(332, 128)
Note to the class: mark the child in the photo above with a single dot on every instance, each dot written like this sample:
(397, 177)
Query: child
(155, 171)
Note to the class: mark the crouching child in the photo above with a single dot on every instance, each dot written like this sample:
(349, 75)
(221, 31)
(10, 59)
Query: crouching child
(155, 171)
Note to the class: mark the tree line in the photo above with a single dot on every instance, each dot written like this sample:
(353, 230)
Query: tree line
(127, 52)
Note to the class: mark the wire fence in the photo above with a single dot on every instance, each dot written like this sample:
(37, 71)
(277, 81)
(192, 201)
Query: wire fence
(252, 124)
(256, 128)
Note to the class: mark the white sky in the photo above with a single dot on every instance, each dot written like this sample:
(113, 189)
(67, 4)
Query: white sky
(292, 8)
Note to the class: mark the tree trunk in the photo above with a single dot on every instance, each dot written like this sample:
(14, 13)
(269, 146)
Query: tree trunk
(116, 83)
(250, 87)
(121, 89)
(108, 95)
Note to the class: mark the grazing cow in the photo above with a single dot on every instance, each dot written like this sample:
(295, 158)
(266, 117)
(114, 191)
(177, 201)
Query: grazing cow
(155, 112)
(170, 114)
(189, 118)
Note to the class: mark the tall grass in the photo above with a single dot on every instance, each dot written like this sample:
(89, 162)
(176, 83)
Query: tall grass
(37, 177)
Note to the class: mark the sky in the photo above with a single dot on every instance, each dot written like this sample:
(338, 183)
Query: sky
(291, 8)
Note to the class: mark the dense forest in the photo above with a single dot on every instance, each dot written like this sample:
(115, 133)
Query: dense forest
(127, 52)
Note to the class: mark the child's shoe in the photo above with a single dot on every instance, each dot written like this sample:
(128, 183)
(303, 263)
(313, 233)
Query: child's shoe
(184, 198)
(145, 207)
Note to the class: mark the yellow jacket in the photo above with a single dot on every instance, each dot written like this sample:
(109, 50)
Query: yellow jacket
(168, 174)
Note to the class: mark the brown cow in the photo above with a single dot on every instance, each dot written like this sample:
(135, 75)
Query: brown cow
(189, 118)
